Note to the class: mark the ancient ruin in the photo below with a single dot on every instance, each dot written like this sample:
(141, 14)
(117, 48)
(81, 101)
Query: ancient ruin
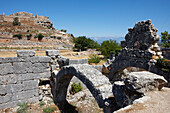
(139, 50)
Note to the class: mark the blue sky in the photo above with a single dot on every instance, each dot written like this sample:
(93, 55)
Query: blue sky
(95, 18)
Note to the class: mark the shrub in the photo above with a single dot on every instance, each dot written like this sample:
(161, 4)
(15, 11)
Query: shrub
(16, 21)
(76, 87)
(58, 38)
(84, 43)
(40, 37)
(164, 64)
(110, 47)
(49, 109)
(63, 30)
(42, 103)
(35, 36)
(18, 35)
(22, 108)
(29, 36)
(94, 59)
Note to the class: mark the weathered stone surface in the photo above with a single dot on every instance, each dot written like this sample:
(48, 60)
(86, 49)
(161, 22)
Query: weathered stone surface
(25, 53)
(97, 83)
(36, 59)
(63, 61)
(8, 79)
(39, 67)
(98, 67)
(6, 68)
(140, 49)
(52, 52)
(30, 84)
(80, 61)
(122, 95)
(144, 81)
(22, 67)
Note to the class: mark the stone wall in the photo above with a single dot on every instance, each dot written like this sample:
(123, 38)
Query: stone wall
(19, 77)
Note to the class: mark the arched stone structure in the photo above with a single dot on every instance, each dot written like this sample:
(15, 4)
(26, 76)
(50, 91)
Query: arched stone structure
(98, 84)
(140, 49)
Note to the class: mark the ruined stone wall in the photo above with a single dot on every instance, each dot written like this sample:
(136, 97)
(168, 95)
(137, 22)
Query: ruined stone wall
(19, 77)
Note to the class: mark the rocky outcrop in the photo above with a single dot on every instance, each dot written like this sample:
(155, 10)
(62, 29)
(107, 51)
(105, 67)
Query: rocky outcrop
(144, 81)
(135, 86)
(22, 14)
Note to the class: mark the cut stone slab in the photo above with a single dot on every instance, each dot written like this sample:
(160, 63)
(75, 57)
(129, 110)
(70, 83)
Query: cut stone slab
(52, 52)
(25, 53)
(144, 81)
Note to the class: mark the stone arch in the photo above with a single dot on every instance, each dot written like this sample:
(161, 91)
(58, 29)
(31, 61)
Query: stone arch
(98, 84)
(122, 62)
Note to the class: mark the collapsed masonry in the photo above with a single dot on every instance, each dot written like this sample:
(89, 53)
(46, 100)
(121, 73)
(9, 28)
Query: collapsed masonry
(20, 75)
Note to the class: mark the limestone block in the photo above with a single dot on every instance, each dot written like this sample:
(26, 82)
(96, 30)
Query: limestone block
(6, 68)
(8, 79)
(25, 94)
(10, 59)
(43, 75)
(36, 59)
(40, 67)
(22, 67)
(30, 84)
(122, 95)
(25, 53)
(80, 61)
(144, 81)
(3, 90)
(52, 52)
(98, 67)
(5, 98)
(63, 61)
(13, 88)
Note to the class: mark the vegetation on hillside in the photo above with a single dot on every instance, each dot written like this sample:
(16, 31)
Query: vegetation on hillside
(164, 64)
(16, 21)
(165, 39)
(94, 59)
(40, 36)
(83, 43)
(110, 47)
(19, 36)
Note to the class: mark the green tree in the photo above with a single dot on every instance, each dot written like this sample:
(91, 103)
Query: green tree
(18, 35)
(29, 36)
(165, 39)
(81, 43)
(84, 43)
(109, 47)
(40, 37)
(16, 21)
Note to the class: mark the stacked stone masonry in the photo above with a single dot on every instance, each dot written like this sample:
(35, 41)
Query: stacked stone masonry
(19, 78)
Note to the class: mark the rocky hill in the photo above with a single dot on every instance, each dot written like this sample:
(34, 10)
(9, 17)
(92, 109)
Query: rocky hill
(29, 27)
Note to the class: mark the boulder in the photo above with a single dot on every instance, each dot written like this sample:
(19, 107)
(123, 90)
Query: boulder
(122, 95)
(144, 81)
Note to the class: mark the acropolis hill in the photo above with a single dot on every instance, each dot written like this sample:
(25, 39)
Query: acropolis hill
(31, 25)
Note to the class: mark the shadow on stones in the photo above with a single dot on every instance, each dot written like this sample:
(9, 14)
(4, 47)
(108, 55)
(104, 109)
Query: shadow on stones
(65, 107)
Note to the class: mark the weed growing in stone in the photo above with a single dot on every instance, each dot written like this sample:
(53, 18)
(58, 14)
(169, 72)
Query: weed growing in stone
(22, 108)
(48, 109)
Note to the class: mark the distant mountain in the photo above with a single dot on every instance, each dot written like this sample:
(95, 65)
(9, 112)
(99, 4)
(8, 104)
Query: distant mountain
(101, 39)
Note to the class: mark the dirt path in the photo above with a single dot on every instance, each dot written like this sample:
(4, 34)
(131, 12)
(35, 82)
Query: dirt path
(159, 102)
